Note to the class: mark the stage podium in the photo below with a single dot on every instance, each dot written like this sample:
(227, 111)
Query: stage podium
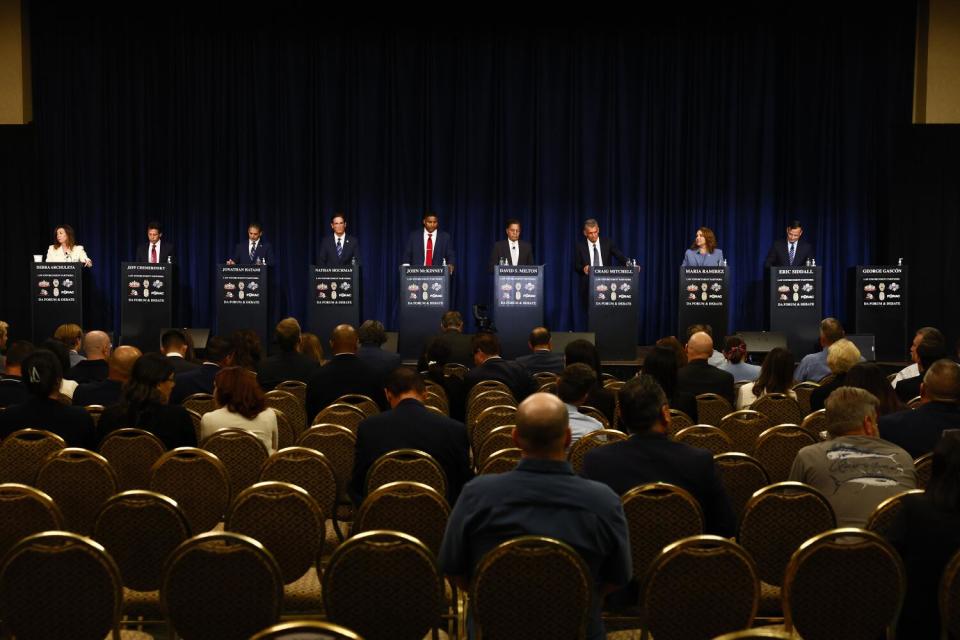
(795, 307)
(424, 298)
(56, 297)
(242, 295)
(704, 299)
(334, 298)
(146, 303)
(614, 310)
(517, 307)
(880, 308)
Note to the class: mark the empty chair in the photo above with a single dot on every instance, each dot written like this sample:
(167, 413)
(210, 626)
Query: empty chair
(25, 511)
(197, 481)
(543, 377)
(779, 408)
(131, 453)
(815, 423)
(678, 421)
(305, 468)
(306, 630)
(241, 452)
(711, 408)
(342, 414)
(409, 507)
(360, 401)
(286, 435)
(706, 437)
(200, 402)
(22, 452)
(297, 387)
(499, 438)
(777, 447)
(339, 445)
(742, 476)
(804, 390)
(886, 513)
(80, 482)
(591, 441)
(487, 385)
(408, 465)
(501, 461)
(488, 420)
(744, 427)
(485, 400)
(291, 406)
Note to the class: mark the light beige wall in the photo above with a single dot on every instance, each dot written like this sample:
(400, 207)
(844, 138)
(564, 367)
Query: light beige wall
(937, 88)
(15, 94)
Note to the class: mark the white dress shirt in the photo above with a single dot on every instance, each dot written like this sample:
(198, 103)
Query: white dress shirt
(514, 252)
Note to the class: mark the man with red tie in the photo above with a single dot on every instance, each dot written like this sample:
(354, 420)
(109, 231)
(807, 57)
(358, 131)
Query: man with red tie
(429, 247)
(156, 250)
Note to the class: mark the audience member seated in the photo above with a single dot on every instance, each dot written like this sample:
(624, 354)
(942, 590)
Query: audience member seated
(96, 346)
(735, 360)
(913, 370)
(200, 380)
(288, 363)
(107, 392)
(661, 365)
(242, 405)
(245, 349)
(491, 366)
(541, 497)
(451, 332)
(573, 387)
(648, 455)
(70, 336)
(918, 430)
(698, 376)
(814, 366)
(438, 355)
(410, 425)
(372, 337)
(175, 345)
(42, 373)
(776, 376)
(57, 348)
(344, 373)
(869, 376)
(586, 352)
(855, 469)
(144, 405)
(929, 351)
(842, 355)
(926, 533)
(311, 347)
(716, 358)
(679, 351)
(12, 388)
(543, 359)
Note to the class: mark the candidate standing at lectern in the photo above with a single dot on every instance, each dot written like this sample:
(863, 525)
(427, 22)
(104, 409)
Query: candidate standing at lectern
(791, 252)
(594, 251)
(429, 247)
(513, 251)
(156, 250)
(338, 249)
(254, 250)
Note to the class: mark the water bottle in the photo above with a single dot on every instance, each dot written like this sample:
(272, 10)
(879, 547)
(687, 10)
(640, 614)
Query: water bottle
(808, 263)
(169, 259)
(899, 262)
(353, 261)
(813, 262)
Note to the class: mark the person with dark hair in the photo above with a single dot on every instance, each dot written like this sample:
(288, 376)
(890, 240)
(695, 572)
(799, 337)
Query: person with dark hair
(869, 377)
(926, 533)
(241, 405)
(698, 376)
(175, 345)
(107, 392)
(813, 366)
(372, 337)
(288, 363)
(71, 336)
(602, 399)
(918, 430)
(776, 376)
(543, 359)
(65, 248)
(573, 387)
(12, 388)
(62, 353)
(344, 373)
(541, 497)
(791, 252)
(200, 380)
(429, 247)
(436, 357)
(648, 455)
(679, 351)
(144, 405)
(735, 360)
(245, 349)
(703, 252)
(490, 366)
(255, 250)
(312, 347)
(661, 364)
(97, 348)
(338, 249)
(410, 425)
(513, 251)
(930, 349)
(156, 250)
(451, 332)
(42, 373)
(913, 370)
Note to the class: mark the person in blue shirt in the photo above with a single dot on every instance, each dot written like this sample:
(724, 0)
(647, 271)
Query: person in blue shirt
(703, 252)
(814, 366)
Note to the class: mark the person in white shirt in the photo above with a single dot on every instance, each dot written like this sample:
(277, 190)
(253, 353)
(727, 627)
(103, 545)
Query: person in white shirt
(513, 251)
(242, 405)
(65, 248)
(573, 387)
(776, 376)
(913, 370)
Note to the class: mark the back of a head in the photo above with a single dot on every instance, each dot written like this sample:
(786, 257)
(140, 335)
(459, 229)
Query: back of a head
(59, 350)
(68, 334)
(699, 328)
(237, 389)
(661, 365)
(930, 350)
(842, 355)
(94, 343)
(486, 343)
(311, 347)
(831, 330)
(42, 373)
(931, 333)
(734, 349)
(847, 407)
(870, 377)
(438, 352)
(246, 349)
(404, 380)
(287, 334)
(451, 320)
(218, 348)
(776, 372)
(575, 382)
(700, 345)
(584, 351)
(18, 351)
(672, 343)
(343, 339)
(539, 337)
(542, 424)
(944, 486)
(173, 340)
(150, 370)
(122, 361)
(641, 400)
(941, 382)
(372, 332)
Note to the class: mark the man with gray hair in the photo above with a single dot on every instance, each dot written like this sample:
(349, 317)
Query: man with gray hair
(854, 469)
(918, 430)
(594, 251)
(814, 366)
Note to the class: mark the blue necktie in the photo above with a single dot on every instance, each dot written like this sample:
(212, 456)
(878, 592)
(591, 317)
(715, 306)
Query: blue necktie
(253, 250)
(793, 252)
(339, 248)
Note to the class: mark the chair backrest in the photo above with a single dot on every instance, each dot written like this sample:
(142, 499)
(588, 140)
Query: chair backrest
(777, 448)
(286, 434)
(501, 461)
(589, 442)
(526, 574)
(140, 529)
(815, 423)
(435, 400)
(241, 452)
(804, 390)
(712, 407)
(410, 465)
(596, 414)
(338, 444)
(852, 566)
(360, 401)
(489, 419)
(297, 387)
(705, 437)
(614, 385)
(80, 482)
(779, 408)
(409, 507)
(340, 413)
(308, 469)
(744, 427)
(923, 467)
(777, 520)
(487, 385)
(742, 476)
(949, 598)
(885, 514)
(22, 452)
(285, 520)
(60, 585)
(915, 402)
(657, 515)
(543, 377)
(131, 453)
(404, 601)
(548, 387)
(306, 630)
(221, 585)
(197, 481)
(485, 400)
(292, 407)
(698, 574)
(678, 421)
(195, 418)
(95, 411)
(770, 633)
(436, 389)
(455, 369)
(500, 438)
(25, 511)
(200, 402)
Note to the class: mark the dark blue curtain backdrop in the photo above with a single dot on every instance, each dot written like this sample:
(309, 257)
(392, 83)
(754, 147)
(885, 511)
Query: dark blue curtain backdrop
(654, 126)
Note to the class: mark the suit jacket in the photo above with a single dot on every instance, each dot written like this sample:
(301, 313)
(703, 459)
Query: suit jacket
(73, 424)
(241, 253)
(501, 249)
(652, 457)
(778, 256)
(607, 249)
(442, 249)
(328, 251)
(410, 425)
(509, 372)
(918, 430)
(693, 258)
(698, 377)
(459, 343)
(199, 380)
(182, 364)
(540, 361)
(908, 388)
(88, 371)
(819, 396)
(170, 423)
(12, 391)
(383, 362)
(103, 392)
(344, 373)
(166, 253)
(285, 366)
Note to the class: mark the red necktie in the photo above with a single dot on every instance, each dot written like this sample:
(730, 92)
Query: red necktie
(153, 253)
(429, 260)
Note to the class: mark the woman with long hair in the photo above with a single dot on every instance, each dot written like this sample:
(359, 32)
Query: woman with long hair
(868, 376)
(703, 252)
(242, 405)
(65, 248)
(661, 365)
(311, 347)
(776, 376)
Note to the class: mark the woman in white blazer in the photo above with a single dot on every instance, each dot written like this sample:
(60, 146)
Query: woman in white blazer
(65, 248)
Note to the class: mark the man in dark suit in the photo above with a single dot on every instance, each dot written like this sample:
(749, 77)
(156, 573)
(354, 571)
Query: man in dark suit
(593, 251)
(255, 250)
(288, 363)
(931, 348)
(650, 456)
(490, 366)
(543, 358)
(792, 252)
(12, 389)
(372, 336)
(156, 250)
(512, 251)
(339, 249)
(200, 379)
(429, 247)
(178, 350)
(107, 392)
(344, 373)
(698, 376)
(410, 425)
(96, 346)
(452, 335)
(918, 430)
